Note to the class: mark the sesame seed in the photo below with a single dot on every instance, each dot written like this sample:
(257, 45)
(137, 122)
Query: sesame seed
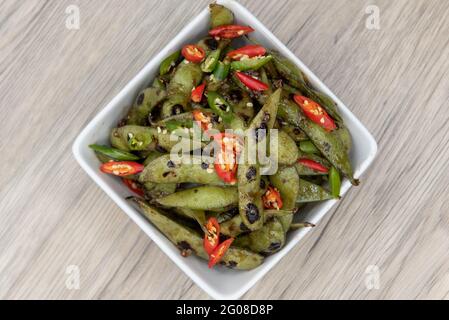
(210, 170)
(250, 105)
(159, 130)
(165, 131)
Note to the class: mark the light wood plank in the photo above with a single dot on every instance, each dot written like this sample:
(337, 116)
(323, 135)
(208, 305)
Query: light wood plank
(53, 81)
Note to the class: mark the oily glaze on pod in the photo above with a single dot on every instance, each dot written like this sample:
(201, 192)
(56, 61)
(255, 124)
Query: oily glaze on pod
(202, 198)
(267, 240)
(189, 241)
(165, 170)
(250, 201)
(287, 181)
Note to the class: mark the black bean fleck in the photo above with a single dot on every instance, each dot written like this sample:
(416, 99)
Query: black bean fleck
(232, 264)
(326, 146)
(161, 149)
(262, 184)
(170, 164)
(252, 213)
(274, 246)
(204, 166)
(296, 131)
(266, 117)
(211, 43)
(251, 174)
(185, 248)
(178, 109)
(140, 99)
(244, 228)
(236, 95)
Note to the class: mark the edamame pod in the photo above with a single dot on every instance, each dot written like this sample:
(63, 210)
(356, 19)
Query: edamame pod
(250, 201)
(287, 150)
(234, 226)
(137, 138)
(329, 145)
(295, 133)
(286, 180)
(306, 171)
(189, 170)
(189, 241)
(158, 190)
(198, 215)
(220, 16)
(145, 102)
(267, 240)
(187, 76)
(296, 78)
(202, 198)
(309, 192)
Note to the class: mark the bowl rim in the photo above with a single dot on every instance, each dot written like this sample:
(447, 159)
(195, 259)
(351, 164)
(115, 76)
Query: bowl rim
(150, 230)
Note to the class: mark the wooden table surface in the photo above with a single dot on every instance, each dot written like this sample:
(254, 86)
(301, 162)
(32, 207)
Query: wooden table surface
(389, 238)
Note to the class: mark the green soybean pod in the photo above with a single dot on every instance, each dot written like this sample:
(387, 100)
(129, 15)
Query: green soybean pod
(267, 240)
(220, 15)
(202, 198)
(189, 241)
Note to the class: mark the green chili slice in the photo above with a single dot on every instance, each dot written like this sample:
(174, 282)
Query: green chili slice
(114, 153)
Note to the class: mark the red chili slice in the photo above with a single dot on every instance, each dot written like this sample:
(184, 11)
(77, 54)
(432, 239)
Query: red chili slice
(313, 165)
(198, 92)
(204, 120)
(230, 31)
(212, 236)
(272, 199)
(134, 187)
(315, 112)
(193, 53)
(226, 160)
(219, 252)
(251, 83)
(122, 169)
(249, 51)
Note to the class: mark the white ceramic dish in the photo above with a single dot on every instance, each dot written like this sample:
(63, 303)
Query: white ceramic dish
(220, 283)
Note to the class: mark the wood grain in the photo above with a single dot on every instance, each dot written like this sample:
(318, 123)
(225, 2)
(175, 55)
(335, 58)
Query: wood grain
(54, 80)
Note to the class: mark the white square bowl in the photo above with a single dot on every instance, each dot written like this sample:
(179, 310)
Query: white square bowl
(220, 283)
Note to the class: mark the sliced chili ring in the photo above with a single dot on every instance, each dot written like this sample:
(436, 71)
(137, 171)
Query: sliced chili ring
(203, 119)
(252, 83)
(212, 235)
(313, 165)
(193, 53)
(198, 92)
(134, 187)
(230, 31)
(219, 252)
(226, 159)
(272, 199)
(249, 51)
(122, 169)
(315, 112)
